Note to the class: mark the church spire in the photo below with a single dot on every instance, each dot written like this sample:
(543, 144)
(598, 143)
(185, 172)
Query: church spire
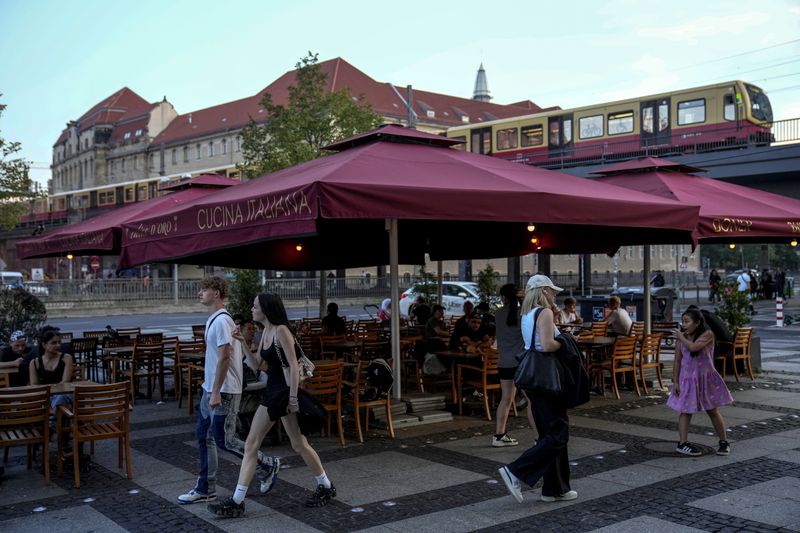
(481, 92)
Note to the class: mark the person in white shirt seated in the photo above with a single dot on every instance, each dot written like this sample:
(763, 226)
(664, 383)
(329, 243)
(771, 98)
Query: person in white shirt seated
(619, 321)
(568, 316)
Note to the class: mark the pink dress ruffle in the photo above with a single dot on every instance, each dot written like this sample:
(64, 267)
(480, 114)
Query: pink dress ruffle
(701, 386)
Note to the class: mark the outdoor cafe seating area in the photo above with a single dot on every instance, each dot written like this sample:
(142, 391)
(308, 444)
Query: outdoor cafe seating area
(115, 369)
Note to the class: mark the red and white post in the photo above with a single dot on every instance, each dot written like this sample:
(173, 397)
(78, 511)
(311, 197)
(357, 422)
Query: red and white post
(779, 311)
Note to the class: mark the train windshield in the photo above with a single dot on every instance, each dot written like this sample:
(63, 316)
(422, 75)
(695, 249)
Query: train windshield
(760, 106)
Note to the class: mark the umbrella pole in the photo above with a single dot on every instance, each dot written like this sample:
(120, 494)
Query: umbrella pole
(323, 294)
(391, 225)
(439, 282)
(646, 286)
(175, 282)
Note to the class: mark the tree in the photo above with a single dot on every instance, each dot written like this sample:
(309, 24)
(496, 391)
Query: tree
(16, 185)
(734, 309)
(244, 289)
(21, 311)
(312, 119)
(487, 284)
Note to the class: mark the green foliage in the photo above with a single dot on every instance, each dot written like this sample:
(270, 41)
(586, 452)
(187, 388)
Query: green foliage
(244, 289)
(21, 311)
(312, 119)
(16, 185)
(722, 256)
(734, 309)
(487, 283)
(427, 286)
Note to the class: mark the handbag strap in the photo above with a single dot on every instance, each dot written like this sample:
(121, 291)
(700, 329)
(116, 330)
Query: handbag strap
(533, 331)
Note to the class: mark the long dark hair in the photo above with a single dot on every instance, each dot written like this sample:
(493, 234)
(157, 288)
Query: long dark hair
(702, 327)
(272, 306)
(46, 335)
(509, 290)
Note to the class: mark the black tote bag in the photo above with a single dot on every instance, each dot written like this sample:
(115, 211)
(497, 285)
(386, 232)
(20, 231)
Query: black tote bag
(539, 373)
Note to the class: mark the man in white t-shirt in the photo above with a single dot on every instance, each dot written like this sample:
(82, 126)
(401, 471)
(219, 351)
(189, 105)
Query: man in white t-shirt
(744, 282)
(222, 392)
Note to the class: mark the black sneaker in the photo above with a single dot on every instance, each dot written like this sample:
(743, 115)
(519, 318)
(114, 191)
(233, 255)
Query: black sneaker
(321, 496)
(724, 448)
(227, 508)
(686, 448)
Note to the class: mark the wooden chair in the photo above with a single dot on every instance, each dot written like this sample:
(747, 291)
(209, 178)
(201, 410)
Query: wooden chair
(330, 353)
(98, 334)
(484, 378)
(637, 329)
(114, 363)
(129, 332)
(741, 350)
(326, 386)
(169, 345)
(189, 372)
(98, 412)
(66, 336)
(650, 357)
(149, 338)
(664, 328)
(600, 329)
(24, 419)
(359, 379)
(84, 351)
(622, 361)
(147, 361)
(5, 380)
(199, 332)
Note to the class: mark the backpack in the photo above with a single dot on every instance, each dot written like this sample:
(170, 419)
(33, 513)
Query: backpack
(379, 380)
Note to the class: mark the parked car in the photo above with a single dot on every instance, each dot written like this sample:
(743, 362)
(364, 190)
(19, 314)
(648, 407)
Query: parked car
(37, 287)
(10, 280)
(454, 294)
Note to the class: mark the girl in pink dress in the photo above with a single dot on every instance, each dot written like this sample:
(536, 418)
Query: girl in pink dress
(696, 384)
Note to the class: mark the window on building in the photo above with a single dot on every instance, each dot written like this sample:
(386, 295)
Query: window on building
(531, 135)
(152, 161)
(591, 127)
(692, 112)
(661, 251)
(174, 156)
(238, 143)
(136, 162)
(127, 135)
(130, 194)
(122, 164)
(210, 148)
(224, 146)
(198, 151)
(619, 123)
(106, 197)
(185, 154)
(138, 132)
(506, 138)
(674, 250)
(430, 113)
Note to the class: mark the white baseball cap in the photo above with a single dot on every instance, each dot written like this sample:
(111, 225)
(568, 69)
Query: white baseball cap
(540, 280)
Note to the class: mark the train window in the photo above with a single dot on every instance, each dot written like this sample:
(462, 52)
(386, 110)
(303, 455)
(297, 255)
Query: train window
(692, 112)
(555, 133)
(531, 135)
(728, 107)
(760, 107)
(663, 116)
(566, 132)
(590, 127)
(462, 146)
(129, 194)
(506, 138)
(619, 123)
(647, 119)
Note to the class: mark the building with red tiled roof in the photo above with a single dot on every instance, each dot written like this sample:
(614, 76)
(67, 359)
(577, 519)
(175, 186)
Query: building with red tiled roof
(125, 140)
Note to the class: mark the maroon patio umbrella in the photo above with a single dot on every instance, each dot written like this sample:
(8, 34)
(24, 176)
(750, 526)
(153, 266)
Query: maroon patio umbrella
(728, 212)
(100, 235)
(332, 212)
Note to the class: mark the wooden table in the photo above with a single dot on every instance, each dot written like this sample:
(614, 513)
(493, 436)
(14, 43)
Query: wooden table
(66, 388)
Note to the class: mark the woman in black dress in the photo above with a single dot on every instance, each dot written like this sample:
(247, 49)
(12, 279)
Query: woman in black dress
(281, 401)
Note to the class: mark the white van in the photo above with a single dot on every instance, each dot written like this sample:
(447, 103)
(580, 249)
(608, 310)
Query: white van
(9, 280)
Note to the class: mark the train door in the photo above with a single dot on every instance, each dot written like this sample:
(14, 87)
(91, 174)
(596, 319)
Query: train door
(480, 141)
(559, 135)
(655, 127)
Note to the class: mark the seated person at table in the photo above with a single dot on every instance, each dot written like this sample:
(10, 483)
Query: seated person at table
(473, 337)
(568, 315)
(487, 318)
(18, 355)
(461, 323)
(419, 312)
(332, 323)
(385, 313)
(619, 321)
(52, 366)
(436, 332)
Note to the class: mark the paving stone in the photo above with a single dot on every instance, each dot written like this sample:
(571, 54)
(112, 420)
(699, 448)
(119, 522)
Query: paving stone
(647, 523)
(79, 518)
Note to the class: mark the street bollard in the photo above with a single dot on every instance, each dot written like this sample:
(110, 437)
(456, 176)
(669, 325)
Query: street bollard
(779, 311)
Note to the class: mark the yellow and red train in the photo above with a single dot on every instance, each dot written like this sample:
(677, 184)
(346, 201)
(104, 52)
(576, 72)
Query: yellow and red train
(711, 117)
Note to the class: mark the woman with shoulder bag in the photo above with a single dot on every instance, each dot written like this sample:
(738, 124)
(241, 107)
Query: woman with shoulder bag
(548, 456)
(281, 401)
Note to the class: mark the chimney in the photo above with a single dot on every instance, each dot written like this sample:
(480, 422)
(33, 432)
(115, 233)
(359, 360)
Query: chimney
(190, 118)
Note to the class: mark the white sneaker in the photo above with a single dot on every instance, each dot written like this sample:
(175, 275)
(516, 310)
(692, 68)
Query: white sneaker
(193, 496)
(269, 475)
(571, 495)
(503, 441)
(512, 483)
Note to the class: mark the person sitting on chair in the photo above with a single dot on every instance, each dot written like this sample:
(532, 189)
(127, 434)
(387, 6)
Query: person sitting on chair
(619, 321)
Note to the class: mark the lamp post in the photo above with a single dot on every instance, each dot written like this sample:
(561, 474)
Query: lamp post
(69, 258)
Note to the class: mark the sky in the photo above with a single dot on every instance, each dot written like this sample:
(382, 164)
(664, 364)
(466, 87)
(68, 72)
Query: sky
(58, 59)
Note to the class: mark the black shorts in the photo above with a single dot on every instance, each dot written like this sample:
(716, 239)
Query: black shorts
(506, 373)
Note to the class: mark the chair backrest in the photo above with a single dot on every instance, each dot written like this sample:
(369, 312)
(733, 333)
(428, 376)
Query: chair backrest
(624, 347)
(637, 329)
(96, 334)
(147, 351)
(84, 346)
(741, 340)
(600, 329)
(93, 403)
(5, 380)
(117, 342)
(66, 336)
(170, 345)
(131, 332)
(374, 349)
(326, 381)
(24, 406)
(491, 358)
(323, 339)
(651, 347)
(190, 347)
(149, 338)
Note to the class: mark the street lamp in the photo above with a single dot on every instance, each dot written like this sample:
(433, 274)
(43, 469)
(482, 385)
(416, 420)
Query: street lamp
(69, 258)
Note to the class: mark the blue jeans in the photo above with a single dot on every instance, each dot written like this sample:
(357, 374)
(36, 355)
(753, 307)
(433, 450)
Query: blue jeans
(215, 428)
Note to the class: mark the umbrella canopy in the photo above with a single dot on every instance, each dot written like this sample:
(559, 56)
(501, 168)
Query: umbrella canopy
(331, 212)
(728, 212)
(100, 235)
